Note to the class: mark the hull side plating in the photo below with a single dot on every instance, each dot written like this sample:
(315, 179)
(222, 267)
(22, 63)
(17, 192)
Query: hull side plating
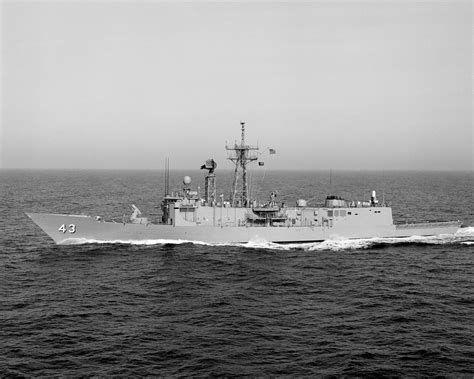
(68, 229)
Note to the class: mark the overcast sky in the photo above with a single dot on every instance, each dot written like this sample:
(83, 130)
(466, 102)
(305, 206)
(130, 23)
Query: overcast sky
(341, 85)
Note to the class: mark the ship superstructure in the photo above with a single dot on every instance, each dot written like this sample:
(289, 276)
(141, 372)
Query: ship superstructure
(186, 215)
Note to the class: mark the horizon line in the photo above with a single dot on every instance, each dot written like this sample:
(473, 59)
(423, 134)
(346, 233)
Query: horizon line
(231, 169)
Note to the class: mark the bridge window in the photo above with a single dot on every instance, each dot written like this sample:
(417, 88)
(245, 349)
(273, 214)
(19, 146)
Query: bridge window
(342, 212)
(329, 213)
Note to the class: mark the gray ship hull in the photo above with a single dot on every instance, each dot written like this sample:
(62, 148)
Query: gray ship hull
(71, 229)
(187, 216)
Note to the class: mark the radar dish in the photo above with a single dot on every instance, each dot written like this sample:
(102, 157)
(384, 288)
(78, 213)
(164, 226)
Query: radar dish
(209, 165)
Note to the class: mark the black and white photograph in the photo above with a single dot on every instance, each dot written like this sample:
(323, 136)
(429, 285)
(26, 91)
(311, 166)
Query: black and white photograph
(236, 188)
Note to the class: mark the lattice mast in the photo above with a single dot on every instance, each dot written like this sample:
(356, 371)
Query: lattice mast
(241, 156)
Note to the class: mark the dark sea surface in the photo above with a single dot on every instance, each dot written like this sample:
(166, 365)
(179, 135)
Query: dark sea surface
(382, 307)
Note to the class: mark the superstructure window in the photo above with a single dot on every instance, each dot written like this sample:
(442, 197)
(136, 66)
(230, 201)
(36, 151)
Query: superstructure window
(336, 213)
(342, 213)
(329, 213)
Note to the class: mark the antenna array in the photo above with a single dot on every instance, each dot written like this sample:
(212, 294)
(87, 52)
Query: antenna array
(241, 155)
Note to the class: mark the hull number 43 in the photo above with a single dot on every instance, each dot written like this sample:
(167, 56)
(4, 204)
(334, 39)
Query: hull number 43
(71, 228)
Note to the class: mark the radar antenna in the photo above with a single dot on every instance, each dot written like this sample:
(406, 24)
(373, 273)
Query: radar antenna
(241, 155)
(210, 181)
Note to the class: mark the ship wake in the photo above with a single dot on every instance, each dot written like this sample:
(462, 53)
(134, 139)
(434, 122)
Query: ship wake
(464, 236)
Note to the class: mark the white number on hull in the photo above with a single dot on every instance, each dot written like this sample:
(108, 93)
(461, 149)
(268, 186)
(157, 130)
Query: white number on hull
(71, 228)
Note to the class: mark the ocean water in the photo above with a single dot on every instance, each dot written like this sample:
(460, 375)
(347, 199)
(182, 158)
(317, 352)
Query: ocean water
(377, 307)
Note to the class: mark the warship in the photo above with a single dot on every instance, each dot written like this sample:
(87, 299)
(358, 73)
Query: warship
(187, 215)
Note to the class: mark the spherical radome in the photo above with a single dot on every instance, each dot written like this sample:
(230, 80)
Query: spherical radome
(186, 180)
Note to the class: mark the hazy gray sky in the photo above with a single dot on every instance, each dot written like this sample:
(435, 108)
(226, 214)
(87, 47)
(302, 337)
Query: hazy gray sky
(342, 85)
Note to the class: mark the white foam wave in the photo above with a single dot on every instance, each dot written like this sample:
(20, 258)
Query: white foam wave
(468, 231)
(464, 236)
(82, 241)
(261, 243)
